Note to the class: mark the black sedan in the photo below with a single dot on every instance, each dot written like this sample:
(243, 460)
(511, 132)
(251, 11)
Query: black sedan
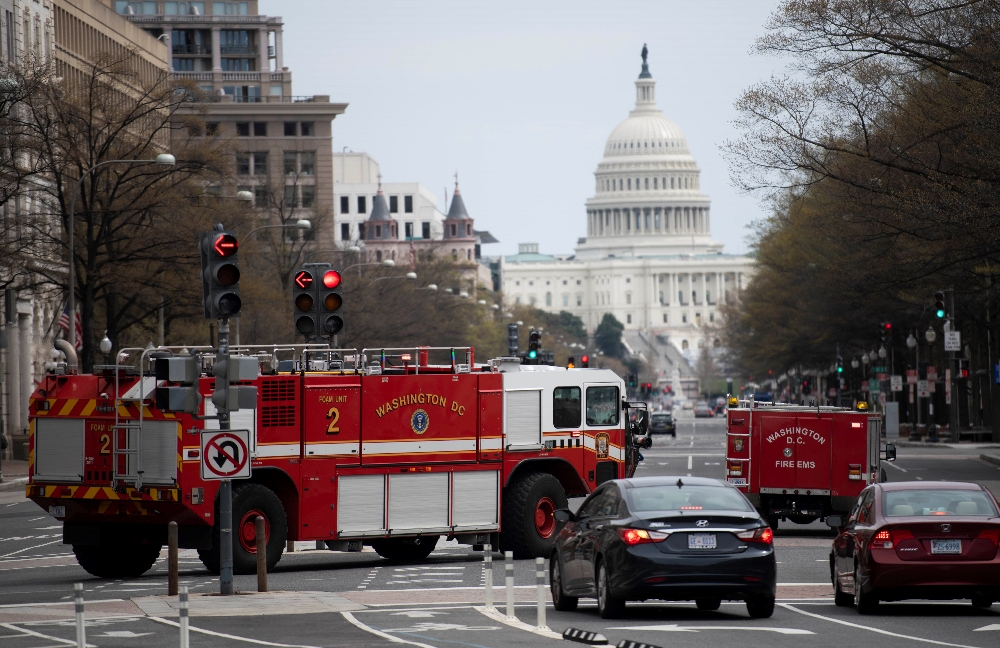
(662, 423)
(668, 538)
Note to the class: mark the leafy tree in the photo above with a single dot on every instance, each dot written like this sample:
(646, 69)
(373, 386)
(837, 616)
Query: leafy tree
(608, 336)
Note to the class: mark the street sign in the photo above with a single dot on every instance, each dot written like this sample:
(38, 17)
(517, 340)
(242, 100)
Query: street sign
(883, 376)
(923, 391)
(931, 373)
(832, 392)
(225, 454)
(875, 386)
(878, 369)
(864, 385)
(896, 383)
(911, 376)
(952, 341)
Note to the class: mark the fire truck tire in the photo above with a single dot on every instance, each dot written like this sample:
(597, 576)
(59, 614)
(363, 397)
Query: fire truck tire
(760, 607)
(529, 528)
(117, 561)
(249, 501)
(772, 521)
(405, 549)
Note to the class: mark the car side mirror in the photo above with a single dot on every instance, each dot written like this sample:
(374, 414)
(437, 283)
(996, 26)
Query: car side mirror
(563, 515)
(890, 452)
(834, 521)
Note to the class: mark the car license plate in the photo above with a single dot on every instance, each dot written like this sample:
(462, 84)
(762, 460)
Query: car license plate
(57, 511)
(946, 546)
(737, 481)
(701, 541)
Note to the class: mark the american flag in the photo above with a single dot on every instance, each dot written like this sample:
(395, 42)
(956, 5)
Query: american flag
(64, 325)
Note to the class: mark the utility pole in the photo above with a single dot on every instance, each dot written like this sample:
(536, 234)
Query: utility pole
(953, 363)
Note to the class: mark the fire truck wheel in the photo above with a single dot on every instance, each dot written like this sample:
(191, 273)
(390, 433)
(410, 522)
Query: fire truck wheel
(529, 527)
(249, 501)
(760, 607)
(405, 549)
(560, 601)
(117, 561)
(772, 521)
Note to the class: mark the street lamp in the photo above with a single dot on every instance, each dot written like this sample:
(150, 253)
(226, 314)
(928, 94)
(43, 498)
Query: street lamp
(408, 275)
(854, 363)
(881, 352)
(930, 335)
(302, 224)
(164, 159)
(389, 263)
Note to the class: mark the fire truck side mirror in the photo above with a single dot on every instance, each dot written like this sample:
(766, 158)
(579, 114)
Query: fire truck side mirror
(890, 452)
(644, 441)
(834, 521)
(563, 515)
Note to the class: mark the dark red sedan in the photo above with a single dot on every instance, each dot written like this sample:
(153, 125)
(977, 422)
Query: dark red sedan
(917, 540)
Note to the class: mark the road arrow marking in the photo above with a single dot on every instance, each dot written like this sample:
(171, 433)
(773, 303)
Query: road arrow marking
(677, 628)
(416, 614)
(124, 633)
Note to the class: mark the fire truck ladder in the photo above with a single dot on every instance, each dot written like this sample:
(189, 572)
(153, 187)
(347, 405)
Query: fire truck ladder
(132, 428)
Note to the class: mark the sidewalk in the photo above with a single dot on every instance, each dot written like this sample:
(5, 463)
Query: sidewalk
(15, 474)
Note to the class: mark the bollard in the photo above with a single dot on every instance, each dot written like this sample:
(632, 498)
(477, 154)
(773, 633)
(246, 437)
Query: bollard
(261, 555)
(509, 567)
(290, 546)
(488, 567)
(540, 580)
(183, 612)
(172, 577)
(81, 633)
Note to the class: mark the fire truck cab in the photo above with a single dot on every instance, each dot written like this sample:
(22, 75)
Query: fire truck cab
(380, 447)
(802, 463)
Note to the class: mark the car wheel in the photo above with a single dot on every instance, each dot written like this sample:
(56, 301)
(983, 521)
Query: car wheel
(982, 602)
(560, 601)
(865, 602)
(608, 606)
(673, 434)
(840, 598)
(760, 607)
(708, 604)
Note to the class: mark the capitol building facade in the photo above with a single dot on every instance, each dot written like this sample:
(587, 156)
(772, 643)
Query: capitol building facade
(648, 257)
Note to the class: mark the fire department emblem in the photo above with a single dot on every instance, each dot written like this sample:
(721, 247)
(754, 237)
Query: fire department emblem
(601, 443)
(787, 452)
(419, 421)
(738, 445)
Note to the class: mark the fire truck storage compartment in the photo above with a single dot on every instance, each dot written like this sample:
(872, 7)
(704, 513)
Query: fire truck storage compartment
(524, 419)
(59, 450)
(361, 505)
(158, 452)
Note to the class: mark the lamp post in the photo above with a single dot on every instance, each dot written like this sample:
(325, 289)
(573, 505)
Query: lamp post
(408, 275)
(930, 336)
(164, 159)
(302, 224)
(911, 342)
(389, 263)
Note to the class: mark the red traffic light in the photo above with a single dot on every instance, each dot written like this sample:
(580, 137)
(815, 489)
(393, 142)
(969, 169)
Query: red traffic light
(303, 279)
(331, 279)
(888, 326)
(225, 245)
(585, 358)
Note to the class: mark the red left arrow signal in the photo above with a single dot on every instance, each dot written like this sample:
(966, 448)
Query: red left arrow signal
(303, 279)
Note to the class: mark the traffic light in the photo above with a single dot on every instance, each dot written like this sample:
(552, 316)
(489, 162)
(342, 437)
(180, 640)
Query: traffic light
(331, 294)
(220, 274)
(885, 331)
(571, 363)
(512, 341)
(304, 305)
(963, 369)
(840, 366)
(183, 398)
(233, 369)
(585, 361)
(806, 387)
(939, 309)
(534, 345)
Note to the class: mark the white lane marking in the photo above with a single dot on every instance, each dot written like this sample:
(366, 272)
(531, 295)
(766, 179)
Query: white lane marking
(892, 465)
(690, 461)
(62, 642)
(49, 528)
(378, 633)
(514, 622)
(870, 629)
(14, 553)
(37, 518)
(259, 642)
(676, 628)
(992, 626)
(22, 605)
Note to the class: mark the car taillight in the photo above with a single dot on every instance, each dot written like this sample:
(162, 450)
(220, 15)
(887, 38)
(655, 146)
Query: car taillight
(736, 468)
(882, 540)
(898, 535)
(854, 472)
(993, 535)
(641, 536)
(763, 535)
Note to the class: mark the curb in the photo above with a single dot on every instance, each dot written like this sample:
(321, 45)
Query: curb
(993, 459)
(14, 484)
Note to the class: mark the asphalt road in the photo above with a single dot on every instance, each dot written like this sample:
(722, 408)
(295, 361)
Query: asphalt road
(365, 600)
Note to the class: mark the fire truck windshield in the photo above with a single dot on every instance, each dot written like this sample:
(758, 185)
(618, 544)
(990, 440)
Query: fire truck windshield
(687, 498)
(602, 406)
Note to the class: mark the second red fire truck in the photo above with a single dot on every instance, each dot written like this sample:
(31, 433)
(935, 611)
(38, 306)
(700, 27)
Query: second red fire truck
(391, 448)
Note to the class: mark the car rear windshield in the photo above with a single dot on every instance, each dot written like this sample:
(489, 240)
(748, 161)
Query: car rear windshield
(687, 498)
(661, 418)
(907, 503)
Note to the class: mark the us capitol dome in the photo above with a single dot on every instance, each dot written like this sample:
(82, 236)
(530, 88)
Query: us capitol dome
(648, 257)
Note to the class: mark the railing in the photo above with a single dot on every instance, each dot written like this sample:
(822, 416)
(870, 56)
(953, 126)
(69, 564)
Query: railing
(191, 48)
(238, 49)
(162, 18)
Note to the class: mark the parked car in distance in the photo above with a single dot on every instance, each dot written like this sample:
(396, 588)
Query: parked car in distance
(662, 423)
(668, 538)
(702, 410)
(917, 540)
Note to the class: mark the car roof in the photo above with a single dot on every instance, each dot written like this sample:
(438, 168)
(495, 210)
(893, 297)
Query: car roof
(638, 482)
(935, 485)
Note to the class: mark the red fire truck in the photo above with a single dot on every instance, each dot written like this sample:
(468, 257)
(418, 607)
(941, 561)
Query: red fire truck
(378, 447)
(802, 463)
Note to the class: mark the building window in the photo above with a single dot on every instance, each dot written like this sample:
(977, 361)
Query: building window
(361, 230)
(291, 162)
(307, 161)
(183, 8)
(711, 317)
(259, 159)
(260, 129)
(183, 65)
(289, 129)
(684, 318)
(408, 204)
(684, 345)
(362, 205)
(630, 183)
(261, 196)
(141, 8)
(345, 231)
(454, 230)
(628, 298)
(345, 205)
(378, 231)
(308, 195)
(647, 183)
(243, 129)
(211, 128)
(664, 318)
(628, 319)
(579, 300)
(408, 230)
(290, 196)
(308, 129)
(230, 8)
(242, 164)
(237, 65)
(565, 300)
(425, 230)
(394, 204)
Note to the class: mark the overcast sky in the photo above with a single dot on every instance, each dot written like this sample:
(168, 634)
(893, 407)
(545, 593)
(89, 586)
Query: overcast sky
(519, 96)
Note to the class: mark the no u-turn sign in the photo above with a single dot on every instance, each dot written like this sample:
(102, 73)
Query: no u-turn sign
(225, 454)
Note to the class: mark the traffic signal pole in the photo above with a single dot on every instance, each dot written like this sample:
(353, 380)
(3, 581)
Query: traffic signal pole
(226, 487)
(953, 363)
